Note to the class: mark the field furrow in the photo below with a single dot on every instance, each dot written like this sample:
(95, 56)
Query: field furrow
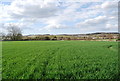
(60, 60)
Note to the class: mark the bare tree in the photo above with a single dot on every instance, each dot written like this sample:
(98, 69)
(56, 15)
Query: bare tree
(2, 36)
(14, 32)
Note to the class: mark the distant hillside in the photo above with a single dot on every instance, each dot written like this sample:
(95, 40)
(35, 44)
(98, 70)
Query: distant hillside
(104, 36)
(76, 34)
(90, 36)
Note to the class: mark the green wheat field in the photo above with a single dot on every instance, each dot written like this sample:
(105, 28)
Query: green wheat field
(59, 60)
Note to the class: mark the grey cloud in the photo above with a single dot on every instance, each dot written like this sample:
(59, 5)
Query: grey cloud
(33, 10)
(93, 22)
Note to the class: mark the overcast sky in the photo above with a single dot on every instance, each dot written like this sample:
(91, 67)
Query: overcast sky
(59, 16)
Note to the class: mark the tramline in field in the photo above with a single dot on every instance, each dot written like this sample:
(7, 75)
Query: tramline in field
(60, 60)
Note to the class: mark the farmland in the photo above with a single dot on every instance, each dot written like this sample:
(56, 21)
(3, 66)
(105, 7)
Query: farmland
(59, 60)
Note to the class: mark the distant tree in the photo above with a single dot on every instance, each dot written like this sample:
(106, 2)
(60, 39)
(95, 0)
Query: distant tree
(2, 36)
(68, 38)
(14, 32)
(54, 38)
(110, 36)
(59, 38)
(19, 36)
(47, 38)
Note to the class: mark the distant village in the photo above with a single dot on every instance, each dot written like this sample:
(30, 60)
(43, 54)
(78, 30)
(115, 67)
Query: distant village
(90, 36)
(15, 34)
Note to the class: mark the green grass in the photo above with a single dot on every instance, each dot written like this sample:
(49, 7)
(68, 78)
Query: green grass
(60, 60)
